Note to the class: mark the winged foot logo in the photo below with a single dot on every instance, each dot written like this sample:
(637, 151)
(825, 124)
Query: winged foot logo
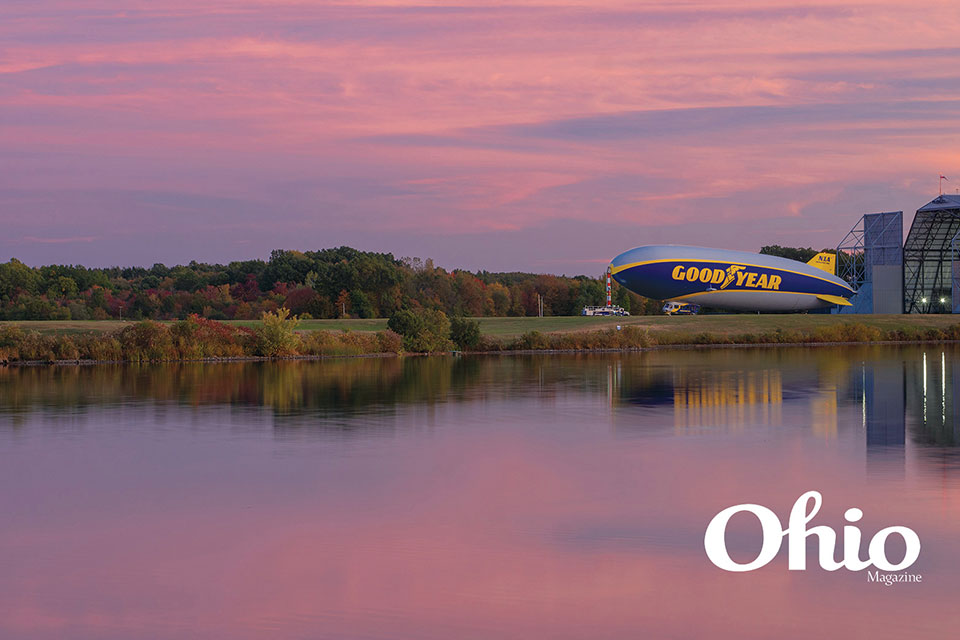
(796, 533)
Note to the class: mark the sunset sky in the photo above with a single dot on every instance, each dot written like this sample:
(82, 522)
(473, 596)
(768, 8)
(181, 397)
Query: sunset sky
(523, 135)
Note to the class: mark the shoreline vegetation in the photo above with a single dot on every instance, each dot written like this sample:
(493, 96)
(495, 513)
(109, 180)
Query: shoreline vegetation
(280, 335)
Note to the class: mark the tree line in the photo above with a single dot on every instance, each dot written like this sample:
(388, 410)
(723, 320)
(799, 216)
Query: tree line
(329, 283)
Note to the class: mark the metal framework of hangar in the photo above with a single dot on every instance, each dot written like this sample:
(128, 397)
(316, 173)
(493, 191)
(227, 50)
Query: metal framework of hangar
(870, 258)
(928, 267)
(919, 275)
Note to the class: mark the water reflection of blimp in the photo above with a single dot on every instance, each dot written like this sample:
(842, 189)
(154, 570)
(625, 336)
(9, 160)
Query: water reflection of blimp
(732, 280)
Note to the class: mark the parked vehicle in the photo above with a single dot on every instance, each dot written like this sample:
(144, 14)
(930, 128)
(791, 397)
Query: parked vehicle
(680, 309)
(604, 311)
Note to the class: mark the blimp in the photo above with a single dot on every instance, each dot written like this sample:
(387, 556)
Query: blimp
(731, 280)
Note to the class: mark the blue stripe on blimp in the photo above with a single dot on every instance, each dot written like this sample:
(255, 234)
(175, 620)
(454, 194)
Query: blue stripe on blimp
(666, 279)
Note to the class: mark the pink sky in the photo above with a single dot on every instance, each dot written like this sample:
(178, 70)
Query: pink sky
(503, 136)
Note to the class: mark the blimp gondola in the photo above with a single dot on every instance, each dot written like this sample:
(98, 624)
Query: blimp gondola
(731, 280)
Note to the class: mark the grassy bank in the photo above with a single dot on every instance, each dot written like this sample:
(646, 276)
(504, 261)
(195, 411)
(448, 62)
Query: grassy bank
(278, 336)
(191, 339)
(510, 328)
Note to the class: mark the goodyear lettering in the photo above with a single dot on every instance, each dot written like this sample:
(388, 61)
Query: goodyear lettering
(726, 277)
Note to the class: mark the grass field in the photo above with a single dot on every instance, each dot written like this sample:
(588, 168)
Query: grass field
(722, 325)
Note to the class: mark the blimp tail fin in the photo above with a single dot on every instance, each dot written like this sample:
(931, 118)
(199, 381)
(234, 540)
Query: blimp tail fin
(825, 261)
(843, 302)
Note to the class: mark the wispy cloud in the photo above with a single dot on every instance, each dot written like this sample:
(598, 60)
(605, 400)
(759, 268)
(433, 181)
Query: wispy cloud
(73, 240)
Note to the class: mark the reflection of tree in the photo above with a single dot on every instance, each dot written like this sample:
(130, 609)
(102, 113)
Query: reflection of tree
(701, 387)
(347, 385)
(321, 388)
(282, 387)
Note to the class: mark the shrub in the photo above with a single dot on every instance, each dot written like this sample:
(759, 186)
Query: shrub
(465, 333)
(100, 348)
(532, 340)
(10, 335)
(277, 336)
(146, 340)
(66, 349)
(847, 332)
(198, 337)
(952, 332)
(10, 338)
(626, 338)
(349, 343)
(488, 343)
(317, 343)
(389, 341)
(424, 331)
(405, 322)
(635, 337)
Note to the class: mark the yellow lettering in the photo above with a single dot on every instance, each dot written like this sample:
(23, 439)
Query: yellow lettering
(762, 281)
(752, 280)
(677, 272)
(775, 282)
(692, 274)
(718, 276)
(741, 276)
(705, 275)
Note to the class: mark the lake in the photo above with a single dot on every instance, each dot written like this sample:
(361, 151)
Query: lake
(549, 496)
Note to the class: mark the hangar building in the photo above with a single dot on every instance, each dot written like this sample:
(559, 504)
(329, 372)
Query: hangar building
(928, 267)
(919, 275)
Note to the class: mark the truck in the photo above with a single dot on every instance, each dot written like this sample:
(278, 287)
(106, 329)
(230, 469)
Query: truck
(604, 311)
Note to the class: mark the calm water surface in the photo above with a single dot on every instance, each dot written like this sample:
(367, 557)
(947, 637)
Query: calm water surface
(475, 497)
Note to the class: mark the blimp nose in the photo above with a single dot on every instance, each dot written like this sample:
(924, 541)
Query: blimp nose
(616, 276)
(640, 254)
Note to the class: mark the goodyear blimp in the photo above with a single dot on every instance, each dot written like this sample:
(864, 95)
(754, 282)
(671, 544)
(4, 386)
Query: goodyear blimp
(731, 280)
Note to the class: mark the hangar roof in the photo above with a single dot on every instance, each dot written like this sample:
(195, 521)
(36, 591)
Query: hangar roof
(928, 254)
(945, 201)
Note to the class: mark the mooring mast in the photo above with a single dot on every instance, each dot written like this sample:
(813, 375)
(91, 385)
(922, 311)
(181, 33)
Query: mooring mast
(609, 296)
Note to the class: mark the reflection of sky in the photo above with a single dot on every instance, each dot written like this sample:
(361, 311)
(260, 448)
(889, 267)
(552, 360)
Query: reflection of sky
(489, 137)
(531, 498)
